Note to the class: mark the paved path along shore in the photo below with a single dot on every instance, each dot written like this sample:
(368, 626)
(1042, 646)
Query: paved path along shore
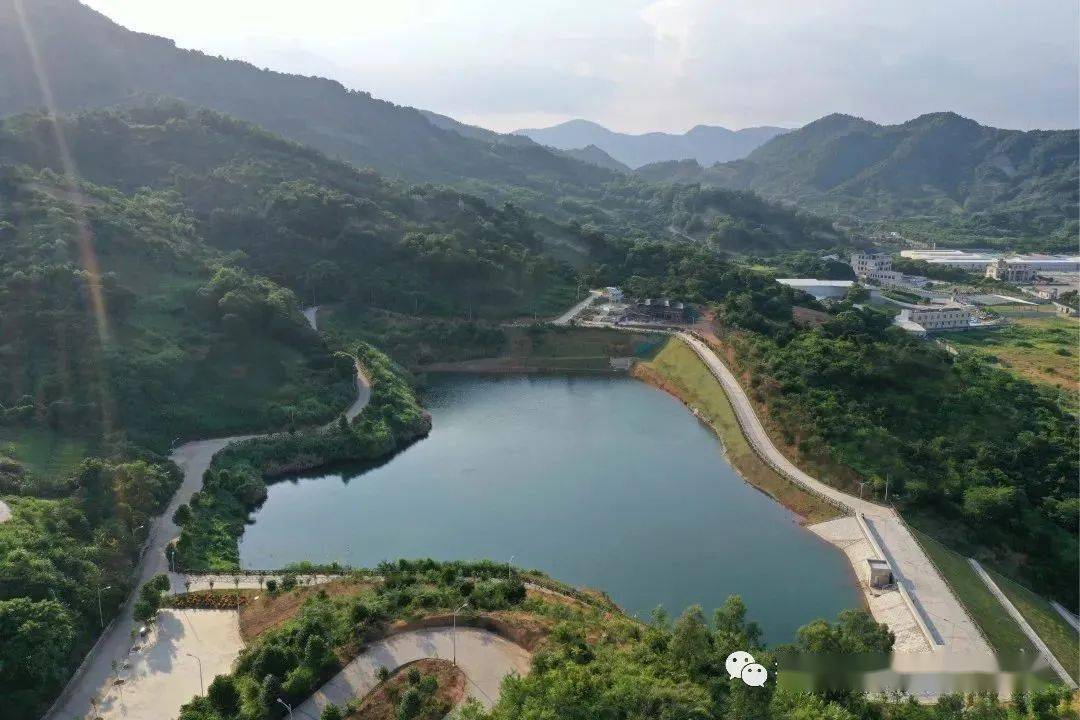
(948, 623)
(94, 677)
(484, 657)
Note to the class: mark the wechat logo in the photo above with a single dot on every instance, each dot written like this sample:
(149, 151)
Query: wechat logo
(741, 665)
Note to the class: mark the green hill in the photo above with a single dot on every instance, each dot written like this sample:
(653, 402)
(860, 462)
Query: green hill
(940, 170)
(89, 61)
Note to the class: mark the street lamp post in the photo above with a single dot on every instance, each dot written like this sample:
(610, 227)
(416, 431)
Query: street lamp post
(453, 632)
(509, 567)
(286, 705)
(196, 659)
(101, 615)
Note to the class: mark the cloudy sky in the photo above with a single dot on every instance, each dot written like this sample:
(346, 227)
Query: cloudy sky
(640, 65)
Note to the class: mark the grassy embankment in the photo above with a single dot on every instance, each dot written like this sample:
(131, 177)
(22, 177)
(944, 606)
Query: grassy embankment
(1000, 629)
(1058, 634)
(678, 370)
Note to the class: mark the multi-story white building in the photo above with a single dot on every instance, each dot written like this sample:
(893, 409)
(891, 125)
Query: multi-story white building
(1013, 270)
(868, 263)
(935, 318)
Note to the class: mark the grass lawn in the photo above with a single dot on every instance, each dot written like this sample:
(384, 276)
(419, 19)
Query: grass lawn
(45, 453)
(1058, 634)
(1000, 629)
(1042, 349)
(677, 369)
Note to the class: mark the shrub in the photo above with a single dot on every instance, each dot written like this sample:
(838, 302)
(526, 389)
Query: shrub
(271, 586)
(224, 696)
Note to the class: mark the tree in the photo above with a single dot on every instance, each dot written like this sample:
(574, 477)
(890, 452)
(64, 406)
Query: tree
(990, 504)
(224, 695)
(691, 641)
(182, 516)
(37, 640)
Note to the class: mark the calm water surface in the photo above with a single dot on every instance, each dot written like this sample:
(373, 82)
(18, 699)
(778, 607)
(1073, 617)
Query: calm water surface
(602, 482)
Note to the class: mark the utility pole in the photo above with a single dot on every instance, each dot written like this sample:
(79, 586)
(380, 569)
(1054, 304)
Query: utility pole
(453, 633)
(101, 615)
(886, 488)
(509, 567)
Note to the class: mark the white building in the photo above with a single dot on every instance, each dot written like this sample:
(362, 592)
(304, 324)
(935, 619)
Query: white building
(613, 294)
(935, 318)
(820, 289)
(1012, 270)
(868, 262)
(978, 261)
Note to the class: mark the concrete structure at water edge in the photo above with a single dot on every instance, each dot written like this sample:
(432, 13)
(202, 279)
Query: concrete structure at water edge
(878, 573)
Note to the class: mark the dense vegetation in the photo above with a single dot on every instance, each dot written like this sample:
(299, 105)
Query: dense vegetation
(60, 555)
(950, 178)
(115, 318)
(984, 458)
(235, 484)
(318, 226)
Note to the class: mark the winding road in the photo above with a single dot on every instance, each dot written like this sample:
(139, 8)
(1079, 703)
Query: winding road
(483, 656)
(945, 620)
(95, 675)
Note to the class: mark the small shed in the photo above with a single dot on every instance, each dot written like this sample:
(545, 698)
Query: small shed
(878, 573)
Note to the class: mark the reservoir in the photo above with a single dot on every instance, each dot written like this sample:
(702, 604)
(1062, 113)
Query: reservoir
(603, 482)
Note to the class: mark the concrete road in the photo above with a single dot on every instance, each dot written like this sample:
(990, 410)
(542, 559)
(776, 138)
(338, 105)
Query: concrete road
(573, 312)
(94, 678)
(949, 625)
(96, 675)
(484, 657)
(163, 675)
(363, 384)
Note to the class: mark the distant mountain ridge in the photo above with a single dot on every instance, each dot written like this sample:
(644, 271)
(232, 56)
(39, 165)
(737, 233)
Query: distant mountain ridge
(92, 62)
(704, 143)
(938, 166)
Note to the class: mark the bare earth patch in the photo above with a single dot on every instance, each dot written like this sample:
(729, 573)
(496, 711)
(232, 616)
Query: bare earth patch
(268, 611)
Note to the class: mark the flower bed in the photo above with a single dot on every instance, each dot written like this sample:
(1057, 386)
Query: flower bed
(207, 600)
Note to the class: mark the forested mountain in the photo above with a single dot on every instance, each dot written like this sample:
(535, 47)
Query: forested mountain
(978, 180)
(596, 156)
(89, 61)
(704, 143)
